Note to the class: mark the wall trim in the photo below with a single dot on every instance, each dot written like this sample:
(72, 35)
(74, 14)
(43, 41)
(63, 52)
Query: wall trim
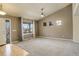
(76, 41)
(54, 38)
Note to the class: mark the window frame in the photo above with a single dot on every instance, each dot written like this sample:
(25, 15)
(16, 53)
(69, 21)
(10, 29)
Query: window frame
(30, 26)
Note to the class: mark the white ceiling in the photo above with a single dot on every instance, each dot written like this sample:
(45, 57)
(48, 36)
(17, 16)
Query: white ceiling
(32, 10)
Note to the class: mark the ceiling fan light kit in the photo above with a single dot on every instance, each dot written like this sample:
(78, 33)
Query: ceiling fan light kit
(1, 11)
(42, 12)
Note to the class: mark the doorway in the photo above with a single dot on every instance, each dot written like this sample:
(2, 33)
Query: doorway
(8, 31)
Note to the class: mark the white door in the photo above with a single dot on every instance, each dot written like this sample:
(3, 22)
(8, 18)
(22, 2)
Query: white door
(2, 31)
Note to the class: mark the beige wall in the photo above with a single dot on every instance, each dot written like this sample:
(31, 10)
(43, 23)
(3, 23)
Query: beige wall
(63, 31)
(75, 23)
(2, 31)
(15, 27)
(76, 28)
(16, 35)
(36, 29)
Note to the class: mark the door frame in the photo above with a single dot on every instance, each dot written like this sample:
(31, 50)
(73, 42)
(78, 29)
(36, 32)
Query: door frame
(10, 28)
(22, 29)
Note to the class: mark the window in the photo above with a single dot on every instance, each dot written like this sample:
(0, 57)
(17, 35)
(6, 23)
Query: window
(30, 26)
(27, 27)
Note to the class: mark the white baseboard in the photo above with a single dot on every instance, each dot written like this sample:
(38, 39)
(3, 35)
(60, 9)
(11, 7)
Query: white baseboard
(55, 38)
(76, 41)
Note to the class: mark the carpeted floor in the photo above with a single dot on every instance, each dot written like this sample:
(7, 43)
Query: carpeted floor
(50, 47)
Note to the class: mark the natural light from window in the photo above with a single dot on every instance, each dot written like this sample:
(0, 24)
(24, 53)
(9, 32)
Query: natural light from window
(59, 22)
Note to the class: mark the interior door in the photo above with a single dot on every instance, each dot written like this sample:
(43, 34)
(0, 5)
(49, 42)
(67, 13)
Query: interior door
(2, 31)
(7, 22)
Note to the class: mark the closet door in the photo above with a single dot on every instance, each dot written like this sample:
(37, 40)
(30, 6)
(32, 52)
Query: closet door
(2, 31)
